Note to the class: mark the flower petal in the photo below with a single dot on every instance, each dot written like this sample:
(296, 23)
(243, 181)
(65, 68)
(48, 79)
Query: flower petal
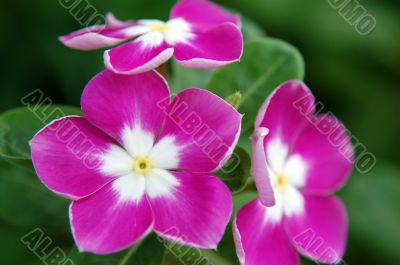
(141, 55)
(259, 168)
(66, 157)
(101, 36)
(260, 242)
(205, 128)
(328, 160)
(321, 232)
(126, 107)
(202, 14)
(215, 47)
(197, 212)
(102, 223)
(280, 113)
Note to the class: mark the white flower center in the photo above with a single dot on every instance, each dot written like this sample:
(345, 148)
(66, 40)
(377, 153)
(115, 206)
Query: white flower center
(287, 176)
(141, 167)
(154, 32)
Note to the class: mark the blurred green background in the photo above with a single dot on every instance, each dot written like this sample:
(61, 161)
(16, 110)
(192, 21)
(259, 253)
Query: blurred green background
(356, 77)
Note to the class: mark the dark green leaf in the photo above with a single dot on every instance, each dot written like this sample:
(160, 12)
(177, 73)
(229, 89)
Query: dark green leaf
(266, 63)
(18, 126)
(250, 29)
(236, 171)
(13, 251)
(26, 201)
(372, 201)
(148, 252)
(178, 254)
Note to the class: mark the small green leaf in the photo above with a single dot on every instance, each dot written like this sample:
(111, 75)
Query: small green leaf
(148, 252)
(235, 99)
(18, 126)
(236, 171)
(266, 63)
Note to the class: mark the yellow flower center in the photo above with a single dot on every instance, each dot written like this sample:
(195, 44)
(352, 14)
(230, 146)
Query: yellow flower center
(282, 182)
(142, 166)
(159, 26)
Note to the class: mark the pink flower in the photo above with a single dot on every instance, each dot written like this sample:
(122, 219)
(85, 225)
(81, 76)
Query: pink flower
(297, 165)
(137, 162)
(199, 34)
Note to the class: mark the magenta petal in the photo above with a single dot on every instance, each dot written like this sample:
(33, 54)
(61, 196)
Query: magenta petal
(136, 57)
(113, 102)
(216, 47)
(65, 157)
(205, 127)
(329, 162)
(259, 242)
(202, 14)
(102, 224)
(280, 112)
(96, 37)
(259, 168)
(321, 232)
(197, 212)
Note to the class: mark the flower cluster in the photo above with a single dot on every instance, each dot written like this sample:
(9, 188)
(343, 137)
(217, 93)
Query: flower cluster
(295, 168)
(150, 159)
(194, 39)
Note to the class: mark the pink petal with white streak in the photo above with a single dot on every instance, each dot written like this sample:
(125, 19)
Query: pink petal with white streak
(103, 224)
(140, 55)
(216, 47)
(259, 242)
(329, 162)
(102, 36)
(204, 126)
(321, 232)
(115, 103)
(203, 14)
(280, 113)
(66, 157)
(196, 213)
(259, 168)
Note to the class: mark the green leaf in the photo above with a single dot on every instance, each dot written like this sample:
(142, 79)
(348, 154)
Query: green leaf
(26, 201)
(372, 201)
(178, 254)
(236, 171)
(266, 63)
(234, 100)
(148, 252)
(250, 29)
(18, 126)
(242, 198)
(184, 78)
(13, 250)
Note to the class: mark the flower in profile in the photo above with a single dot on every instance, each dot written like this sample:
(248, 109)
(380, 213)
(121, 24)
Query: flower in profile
(299, 160)
(137, 162)
(199, 34)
